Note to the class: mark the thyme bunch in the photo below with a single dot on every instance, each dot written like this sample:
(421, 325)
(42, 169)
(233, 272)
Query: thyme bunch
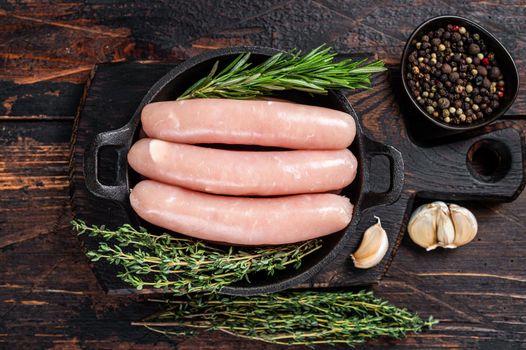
(293, 318)
(315, 72)
(183, 265)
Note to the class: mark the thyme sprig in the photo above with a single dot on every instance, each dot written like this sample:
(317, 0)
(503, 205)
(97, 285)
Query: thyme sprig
(182, 265)
(315, 72)
(293, 318)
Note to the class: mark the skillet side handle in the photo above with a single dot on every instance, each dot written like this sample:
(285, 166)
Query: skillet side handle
(118, 140)
(396, 174)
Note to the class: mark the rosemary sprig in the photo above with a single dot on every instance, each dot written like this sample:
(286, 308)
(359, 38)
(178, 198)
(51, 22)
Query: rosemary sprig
(316, 72)
(182, 265)
(294, 318)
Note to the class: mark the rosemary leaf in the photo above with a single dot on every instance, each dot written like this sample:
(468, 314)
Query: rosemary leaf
(316, 72)
(184, 265)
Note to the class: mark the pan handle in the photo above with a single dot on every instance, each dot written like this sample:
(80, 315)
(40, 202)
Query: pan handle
(396, 173)
(118, 139)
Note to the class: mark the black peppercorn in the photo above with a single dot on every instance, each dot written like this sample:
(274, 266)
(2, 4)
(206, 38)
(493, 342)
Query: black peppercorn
(443, 103)
(495, 104)
(494, 73)
(446, 68)
(482, 71)
(473, 49)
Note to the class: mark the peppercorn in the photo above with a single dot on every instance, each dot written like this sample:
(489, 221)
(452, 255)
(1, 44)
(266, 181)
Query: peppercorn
(495, 104)
(485, 61)
(446, 68)
(473, 49)
(443, 103)
(482, 71)
(493, 88)
(494, 72)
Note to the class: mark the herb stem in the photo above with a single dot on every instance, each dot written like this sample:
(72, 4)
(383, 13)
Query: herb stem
(315, 72)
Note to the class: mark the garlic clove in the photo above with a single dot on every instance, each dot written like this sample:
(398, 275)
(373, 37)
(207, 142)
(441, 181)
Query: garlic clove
(445, 228)
(422, 226)
(373, 247)
(465, 224)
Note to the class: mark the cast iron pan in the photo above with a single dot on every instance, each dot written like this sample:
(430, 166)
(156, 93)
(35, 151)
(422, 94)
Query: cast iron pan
(178, 80)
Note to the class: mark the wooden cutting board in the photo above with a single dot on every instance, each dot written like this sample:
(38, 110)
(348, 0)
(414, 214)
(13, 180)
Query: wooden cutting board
(485, 165)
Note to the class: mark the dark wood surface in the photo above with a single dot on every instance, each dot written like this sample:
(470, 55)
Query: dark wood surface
(49, 297)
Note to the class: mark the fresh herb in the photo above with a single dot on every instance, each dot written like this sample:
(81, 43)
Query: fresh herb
(182, 265)
(316, 72)
(294, 318)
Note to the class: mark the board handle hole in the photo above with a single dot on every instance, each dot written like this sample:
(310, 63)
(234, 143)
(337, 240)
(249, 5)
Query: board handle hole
(489, 160)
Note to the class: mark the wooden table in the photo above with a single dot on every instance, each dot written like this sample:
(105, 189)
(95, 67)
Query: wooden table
(49, 297)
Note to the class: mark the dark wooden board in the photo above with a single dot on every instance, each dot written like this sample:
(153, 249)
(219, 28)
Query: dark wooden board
(434, 171)
(49, 298)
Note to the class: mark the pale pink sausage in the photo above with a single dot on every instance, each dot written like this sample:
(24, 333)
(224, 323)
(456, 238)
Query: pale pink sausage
(250, 122)
(243, 173)
(240, 220)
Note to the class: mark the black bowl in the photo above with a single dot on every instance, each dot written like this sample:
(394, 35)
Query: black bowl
(177, 81)
(506, 64)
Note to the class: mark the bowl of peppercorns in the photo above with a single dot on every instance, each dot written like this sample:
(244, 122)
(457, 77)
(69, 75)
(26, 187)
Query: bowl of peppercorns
(457, 74)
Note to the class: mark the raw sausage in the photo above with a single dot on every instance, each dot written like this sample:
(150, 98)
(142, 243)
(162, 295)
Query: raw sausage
(243, 172)
(249, 122)
(240, 220)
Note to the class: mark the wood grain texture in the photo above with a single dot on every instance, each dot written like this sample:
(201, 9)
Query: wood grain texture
(49, 299)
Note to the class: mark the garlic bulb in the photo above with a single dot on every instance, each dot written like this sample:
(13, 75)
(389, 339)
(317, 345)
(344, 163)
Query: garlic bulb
(372, 248)
(465, 223)
(440, 225)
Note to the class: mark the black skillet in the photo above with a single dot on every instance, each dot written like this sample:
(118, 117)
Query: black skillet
(179, 79)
